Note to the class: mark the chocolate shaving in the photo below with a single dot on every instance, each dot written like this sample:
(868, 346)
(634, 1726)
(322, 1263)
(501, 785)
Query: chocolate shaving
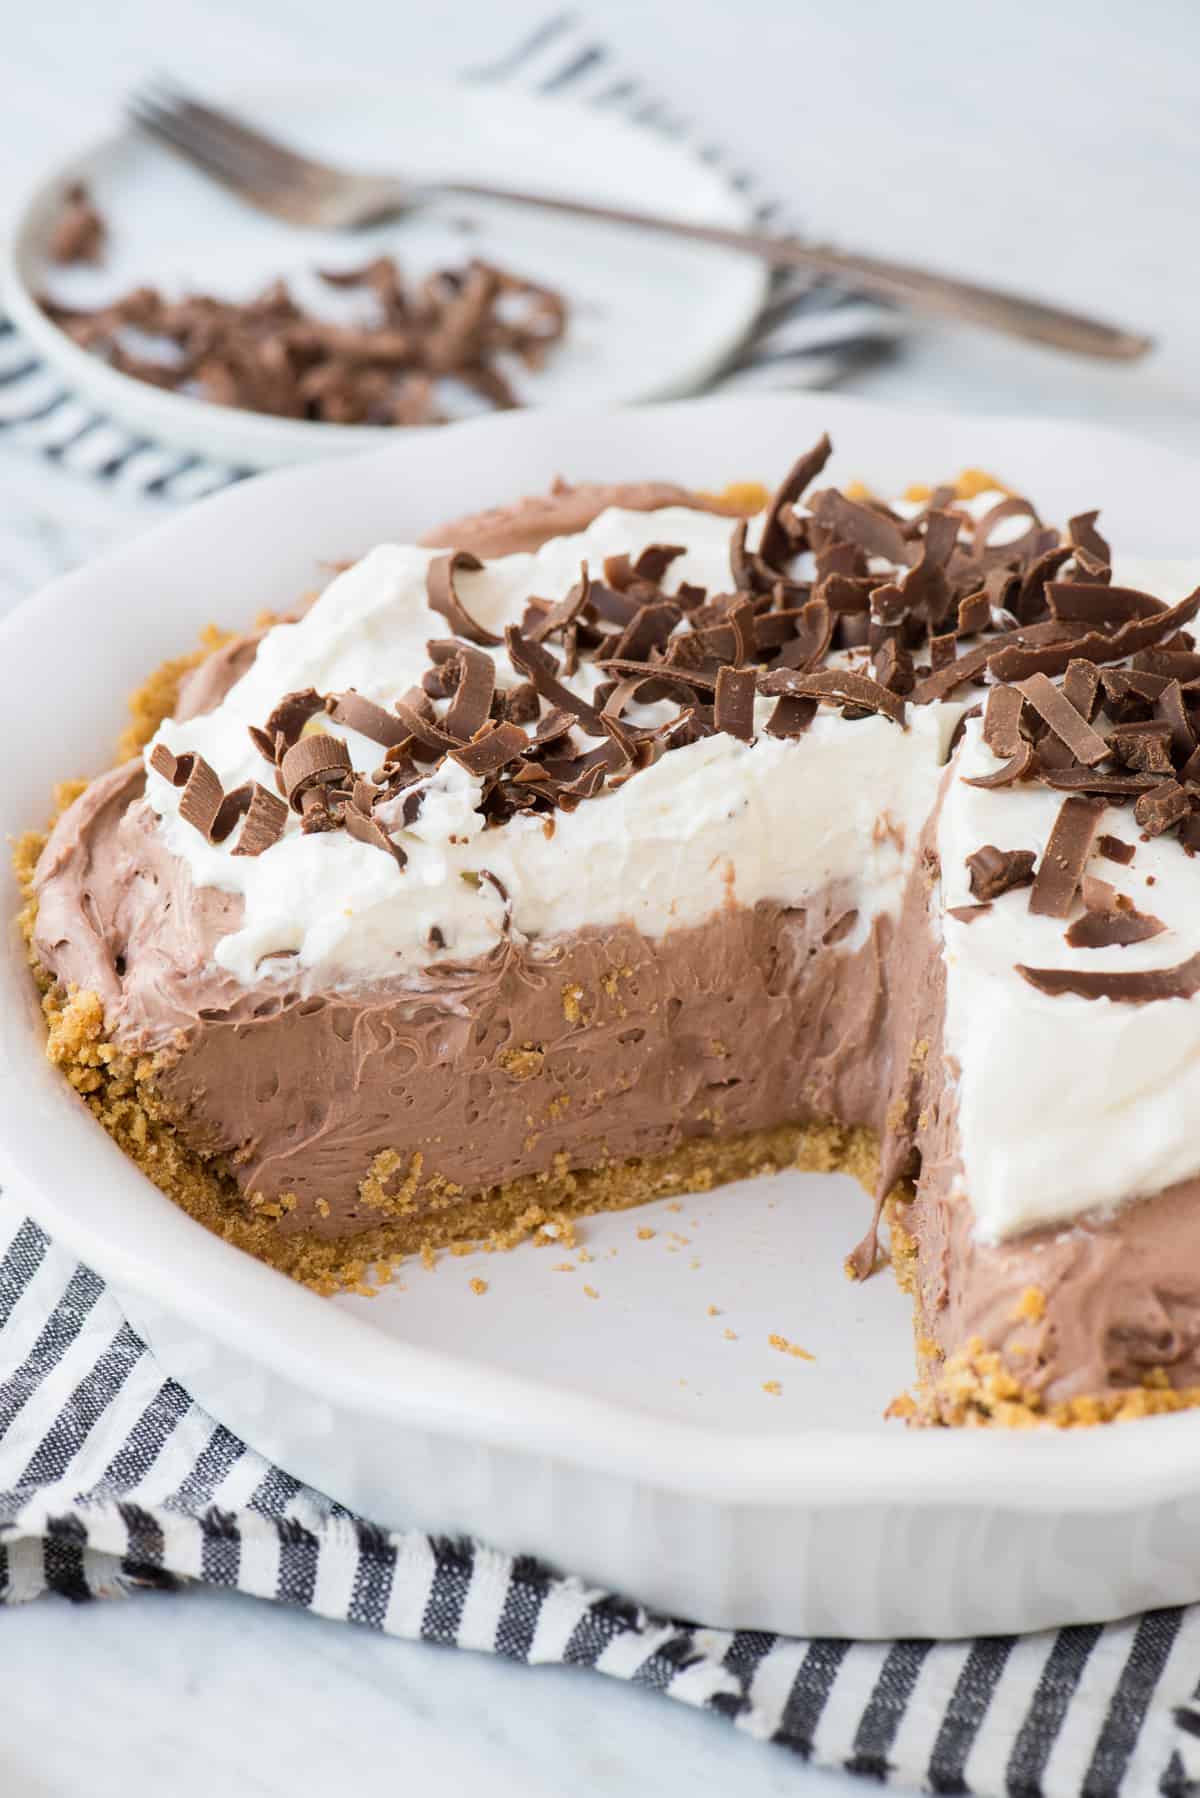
(995, 871)
(1137, 634)
(1100, 786)
(1067, 851)
(655, 559)
(974, 614)
(1170, 707)
(941, 683)
(1114, 850)
(202, 796)
(365, 717)
(777, 542)
(1107, 929)
(734, 704)
(1144, 987)
(791, 717)
(1081, 684)
(863, 526)
(491, 750)
(79, 231)
(1162, 807)
(892, 665)
(313, 762)
(1051, 703)
(1082, 534)
(558, 618)
(289, 718)
(442, 596)
(539, 666)
(967, 914)
(369, 830)
(271, 355)
(838, 687)
(666, 673)
(647, 630)
(1002, 720)
(265, 817)
(521, 703)
(1083, 602)
(1144, 746)
(472, 700)
(1018, 767)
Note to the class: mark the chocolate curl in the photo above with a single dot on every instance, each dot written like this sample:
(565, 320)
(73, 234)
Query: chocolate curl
(369, 830)
(472, 700)
(1083, 535)
(838, 687)
(867, 528)
(265, 816)
(491, 750)
(655, 559)
(750, 573)
(568, 610)
(1012, 507)
(442, 596)
(734, 705)
(779, 532)
(539, 666)
(648, 630)
(203, 795)
(365, 717)
(1151, 984)
(313, 762)
(416, 715)
(810, 646)
(289, 717)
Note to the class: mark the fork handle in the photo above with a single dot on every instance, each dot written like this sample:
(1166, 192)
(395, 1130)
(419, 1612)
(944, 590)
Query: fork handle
(919, 289)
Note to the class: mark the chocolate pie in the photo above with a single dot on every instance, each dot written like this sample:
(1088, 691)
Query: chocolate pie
(613, 845)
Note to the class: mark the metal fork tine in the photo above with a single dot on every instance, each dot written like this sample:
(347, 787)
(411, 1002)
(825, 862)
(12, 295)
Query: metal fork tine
(286, 163)
(192, 135)
(231, 170)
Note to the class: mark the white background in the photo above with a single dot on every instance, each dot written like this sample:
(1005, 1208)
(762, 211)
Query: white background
(1054, 147)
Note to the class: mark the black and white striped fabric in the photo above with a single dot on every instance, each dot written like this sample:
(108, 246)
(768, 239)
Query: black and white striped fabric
(808, 334)
(111, 1479)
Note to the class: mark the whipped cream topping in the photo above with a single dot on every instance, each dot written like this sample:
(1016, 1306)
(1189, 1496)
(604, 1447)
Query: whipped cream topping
(1065, 1104)
(718, 823)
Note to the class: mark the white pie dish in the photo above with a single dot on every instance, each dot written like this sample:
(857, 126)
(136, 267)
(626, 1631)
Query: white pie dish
(625, 1439)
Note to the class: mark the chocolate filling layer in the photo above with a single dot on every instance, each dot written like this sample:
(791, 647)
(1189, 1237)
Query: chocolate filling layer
(596, 1047)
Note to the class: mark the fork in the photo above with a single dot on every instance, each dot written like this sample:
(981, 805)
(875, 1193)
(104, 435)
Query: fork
(288, 185)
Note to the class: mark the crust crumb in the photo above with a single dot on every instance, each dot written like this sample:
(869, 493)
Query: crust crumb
(522, 1063)
(774, 1387)
(1031, 1306)
(789, 1348)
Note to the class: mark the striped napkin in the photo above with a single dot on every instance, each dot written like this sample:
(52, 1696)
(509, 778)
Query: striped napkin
(808, 333)
(111, 1480)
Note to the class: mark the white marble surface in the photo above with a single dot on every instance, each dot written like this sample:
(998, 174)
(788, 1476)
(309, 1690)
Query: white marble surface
(1054, 148)
(208, 1693)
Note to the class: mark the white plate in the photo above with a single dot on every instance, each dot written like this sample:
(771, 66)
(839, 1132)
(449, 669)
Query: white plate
(650, 318)
(535, 1416)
